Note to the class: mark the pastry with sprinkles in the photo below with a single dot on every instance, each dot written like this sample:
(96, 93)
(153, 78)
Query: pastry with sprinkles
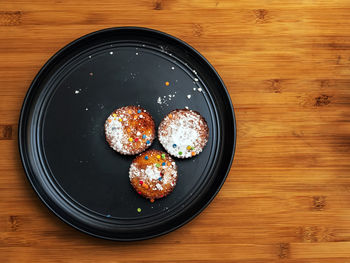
(183, 133)
(153, 174)
(129, 130)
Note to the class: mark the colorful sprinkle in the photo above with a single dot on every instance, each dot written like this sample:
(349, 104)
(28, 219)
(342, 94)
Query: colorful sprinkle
(109, 120)
(120, 119)
(135, 117)
(145, 186)
(130, 139)
(163, 164)
(152, 200)
(189, 148)
(129, 111)
(128, 130)
(139, 111)
(157, 165)
(141, 182)
(170, 116)
(167, 83)
(160, 179)
(146, 157)
(193, 153)
(139, 192)
(139, 209)
(148, 142)
(144, 136)
(163, 155)
(114, 115)
(180, 153)
(158, 156)
(136, 139)
(174, 145)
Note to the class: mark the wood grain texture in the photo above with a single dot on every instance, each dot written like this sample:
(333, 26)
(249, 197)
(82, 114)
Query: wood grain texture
(287, 67)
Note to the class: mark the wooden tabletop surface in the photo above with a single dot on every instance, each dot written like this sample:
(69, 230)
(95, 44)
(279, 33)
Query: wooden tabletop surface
(286, 65)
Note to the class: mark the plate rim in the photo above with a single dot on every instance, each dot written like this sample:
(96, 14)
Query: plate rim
(26, 103)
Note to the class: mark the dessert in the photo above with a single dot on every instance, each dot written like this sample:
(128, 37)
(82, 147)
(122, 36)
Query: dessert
(129, 130)
(153, 174)
(183, 133)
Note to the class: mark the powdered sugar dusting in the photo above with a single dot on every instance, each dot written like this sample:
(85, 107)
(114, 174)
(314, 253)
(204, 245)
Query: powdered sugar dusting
(118, 138)
(151, 174)
(184, 134)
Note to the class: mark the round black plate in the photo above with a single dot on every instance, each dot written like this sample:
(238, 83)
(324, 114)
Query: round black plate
(61, 135)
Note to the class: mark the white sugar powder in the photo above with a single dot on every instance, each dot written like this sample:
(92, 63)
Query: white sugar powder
(151, 174)
(182, 132)
(115, 132)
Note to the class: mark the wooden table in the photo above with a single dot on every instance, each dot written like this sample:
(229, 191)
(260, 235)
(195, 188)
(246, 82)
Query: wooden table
(287, 67)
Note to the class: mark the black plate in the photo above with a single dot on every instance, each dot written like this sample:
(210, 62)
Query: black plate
(61, 135)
